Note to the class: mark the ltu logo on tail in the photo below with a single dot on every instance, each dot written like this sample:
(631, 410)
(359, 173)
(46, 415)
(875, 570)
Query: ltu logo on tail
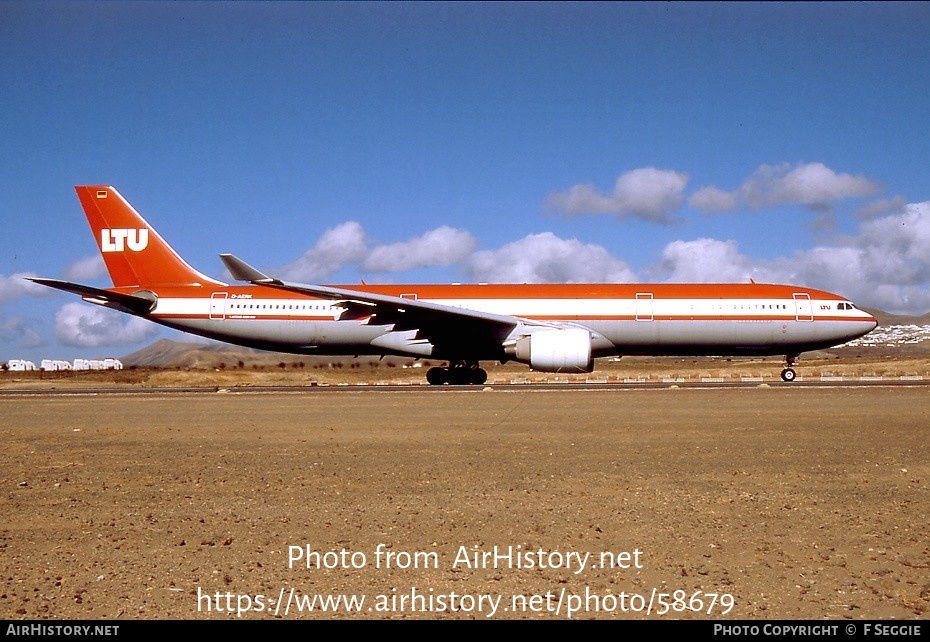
(116, 240)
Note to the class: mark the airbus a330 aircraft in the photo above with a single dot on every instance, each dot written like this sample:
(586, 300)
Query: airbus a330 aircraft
(551, 328)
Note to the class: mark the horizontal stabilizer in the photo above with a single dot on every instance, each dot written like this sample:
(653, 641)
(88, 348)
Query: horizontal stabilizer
(138, 303)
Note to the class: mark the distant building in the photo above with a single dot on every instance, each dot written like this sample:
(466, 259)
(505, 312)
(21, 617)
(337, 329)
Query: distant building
(20, 365)
(97, 364)
(59, 365)
(54, 365)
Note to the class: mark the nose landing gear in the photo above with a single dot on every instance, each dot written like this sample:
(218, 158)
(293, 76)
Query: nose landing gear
(788, 374)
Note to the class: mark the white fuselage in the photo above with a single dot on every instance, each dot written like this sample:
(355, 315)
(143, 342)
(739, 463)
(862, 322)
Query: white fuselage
(640, 324)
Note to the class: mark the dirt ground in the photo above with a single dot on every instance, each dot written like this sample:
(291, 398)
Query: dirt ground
(765, 502)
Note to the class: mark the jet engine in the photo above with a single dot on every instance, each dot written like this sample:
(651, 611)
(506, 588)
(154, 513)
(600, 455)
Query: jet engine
(564, 350)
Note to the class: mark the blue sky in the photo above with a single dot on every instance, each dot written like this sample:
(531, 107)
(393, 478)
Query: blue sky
(409, 142)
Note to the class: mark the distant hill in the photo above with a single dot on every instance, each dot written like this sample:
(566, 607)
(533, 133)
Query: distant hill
(167, 353)
(886, 318)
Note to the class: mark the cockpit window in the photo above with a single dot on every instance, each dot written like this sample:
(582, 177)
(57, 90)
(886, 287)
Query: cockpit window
(846, 306)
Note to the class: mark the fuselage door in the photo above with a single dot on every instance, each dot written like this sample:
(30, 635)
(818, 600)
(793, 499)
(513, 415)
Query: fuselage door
(218, 305)
(802, 307)
(644, 306)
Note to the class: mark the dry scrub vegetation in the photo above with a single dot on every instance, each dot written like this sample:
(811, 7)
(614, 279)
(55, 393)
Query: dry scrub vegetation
(307, 371)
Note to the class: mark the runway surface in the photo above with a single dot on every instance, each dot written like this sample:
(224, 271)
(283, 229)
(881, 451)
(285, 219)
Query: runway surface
(756, 502)
(574, 386)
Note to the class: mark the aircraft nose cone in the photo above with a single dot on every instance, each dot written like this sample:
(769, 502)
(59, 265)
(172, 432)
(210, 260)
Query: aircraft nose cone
(868, 325)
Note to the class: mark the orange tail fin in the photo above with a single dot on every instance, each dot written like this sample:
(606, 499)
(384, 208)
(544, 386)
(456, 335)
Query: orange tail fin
(135, 254)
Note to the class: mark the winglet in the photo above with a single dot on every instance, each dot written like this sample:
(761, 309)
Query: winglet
(242, 271)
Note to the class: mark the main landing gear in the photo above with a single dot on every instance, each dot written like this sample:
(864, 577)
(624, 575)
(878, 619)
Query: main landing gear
(459, 373)
(788, 374)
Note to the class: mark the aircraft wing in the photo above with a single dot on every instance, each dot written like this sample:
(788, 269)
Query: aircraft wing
(139, 303)
(450, 329)
(374, 303)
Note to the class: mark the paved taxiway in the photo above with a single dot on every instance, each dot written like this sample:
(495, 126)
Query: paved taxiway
(795, 501)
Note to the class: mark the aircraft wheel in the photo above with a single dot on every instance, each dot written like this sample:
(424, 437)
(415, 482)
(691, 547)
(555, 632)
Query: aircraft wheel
(457, 375)
(460, 376)
(437, 376)
(788, 374)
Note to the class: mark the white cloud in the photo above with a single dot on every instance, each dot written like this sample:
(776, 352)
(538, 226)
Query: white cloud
(18, 330)
(14, 286)
(85, 326)
(886, 265)
(877, 208)
(834, 269)
(857, 273)
(813, 185)
(810, 184)
(896, 248)
(891, 264)
(337, 247)
(31, 339)
(712, 199)
(647, 193)
(705, 261)
(347, 244)
(546, 258)
(442, 246)
(86, 269)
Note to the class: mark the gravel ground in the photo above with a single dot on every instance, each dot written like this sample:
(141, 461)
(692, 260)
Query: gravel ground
(755, 503)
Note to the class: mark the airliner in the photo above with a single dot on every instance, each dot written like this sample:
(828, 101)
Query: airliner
(549, 327)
